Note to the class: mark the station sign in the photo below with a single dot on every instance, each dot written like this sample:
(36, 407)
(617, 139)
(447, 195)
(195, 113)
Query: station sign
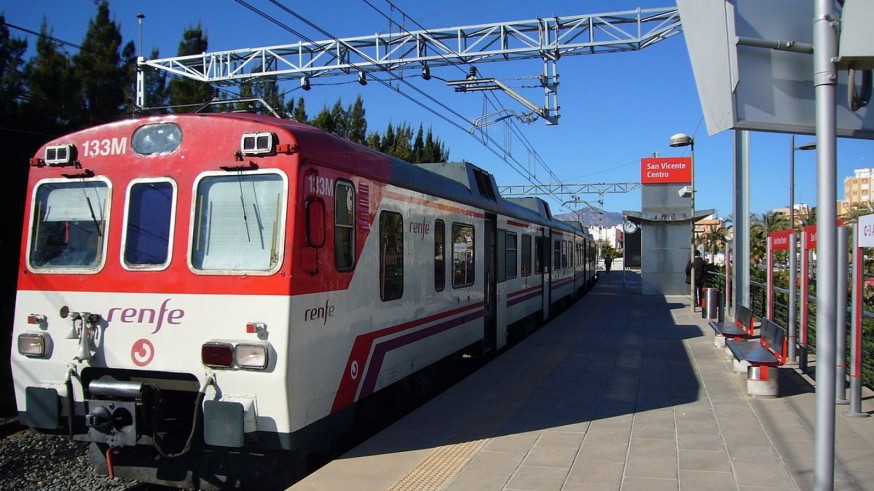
(866, 231)
(780, 240)
(665, 170)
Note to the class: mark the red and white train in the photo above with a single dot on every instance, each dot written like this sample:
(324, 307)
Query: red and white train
(197, 288)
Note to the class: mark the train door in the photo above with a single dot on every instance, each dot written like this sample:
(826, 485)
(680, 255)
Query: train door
(490, 334)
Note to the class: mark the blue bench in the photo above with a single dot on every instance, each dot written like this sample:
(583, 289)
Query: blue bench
(761, 358)
(741, 328)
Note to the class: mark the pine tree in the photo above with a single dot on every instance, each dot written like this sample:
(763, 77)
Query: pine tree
(357, 122)
(99, 69)
(325, 120)
(189, 95)
(300, 113)
(54, 93)
(340, 119)
(11, 73)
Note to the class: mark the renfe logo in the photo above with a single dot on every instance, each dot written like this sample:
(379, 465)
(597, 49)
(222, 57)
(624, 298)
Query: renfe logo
(316, 313)
(130, 315)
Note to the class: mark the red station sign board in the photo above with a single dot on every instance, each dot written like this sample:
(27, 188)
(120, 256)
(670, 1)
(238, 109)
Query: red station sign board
(665, 170)
(780, 240)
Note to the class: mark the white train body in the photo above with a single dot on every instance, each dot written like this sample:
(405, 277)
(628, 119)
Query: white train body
(195, 286)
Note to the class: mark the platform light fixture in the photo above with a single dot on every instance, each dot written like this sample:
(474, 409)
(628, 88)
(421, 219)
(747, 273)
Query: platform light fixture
(684, 140)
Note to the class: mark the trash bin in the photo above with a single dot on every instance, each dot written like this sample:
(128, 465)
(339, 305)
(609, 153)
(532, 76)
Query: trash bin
(712, 304)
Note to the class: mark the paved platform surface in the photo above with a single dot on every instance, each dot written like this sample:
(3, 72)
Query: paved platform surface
(622, 391)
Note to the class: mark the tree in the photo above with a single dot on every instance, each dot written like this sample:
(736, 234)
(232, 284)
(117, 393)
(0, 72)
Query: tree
(99, 69)
(298, 111)
(714, 238)
(53, 102)
(188, 95)
(11, 73)
(325, 120)
(357, 126)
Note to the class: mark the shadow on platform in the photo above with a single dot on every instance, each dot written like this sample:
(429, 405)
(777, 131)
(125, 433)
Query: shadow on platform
(612, 354)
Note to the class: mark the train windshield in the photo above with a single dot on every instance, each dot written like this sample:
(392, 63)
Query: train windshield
(68, 225)
(237, 224)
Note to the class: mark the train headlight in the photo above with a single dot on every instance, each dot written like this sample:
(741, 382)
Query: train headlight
(251, 356)
(60, 154)
(217, 355)
(32, 345)
(257, 143)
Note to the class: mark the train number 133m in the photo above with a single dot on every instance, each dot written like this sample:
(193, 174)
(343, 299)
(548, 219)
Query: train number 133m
(104, 147)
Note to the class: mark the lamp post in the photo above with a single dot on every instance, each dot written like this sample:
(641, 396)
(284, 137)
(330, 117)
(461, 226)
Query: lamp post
(684, 140)
(793, 266)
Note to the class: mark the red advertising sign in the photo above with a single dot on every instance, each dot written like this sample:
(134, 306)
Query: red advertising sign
(780, 240)
(811, 237)
(665, 170)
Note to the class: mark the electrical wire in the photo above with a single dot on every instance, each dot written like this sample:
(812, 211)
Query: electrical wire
(513, 127)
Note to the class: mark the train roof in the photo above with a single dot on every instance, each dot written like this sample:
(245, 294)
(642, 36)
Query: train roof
(463, 182)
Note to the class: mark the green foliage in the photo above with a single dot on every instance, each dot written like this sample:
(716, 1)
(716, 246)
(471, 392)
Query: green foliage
(53, 92)
(188, 95)
(99, 69)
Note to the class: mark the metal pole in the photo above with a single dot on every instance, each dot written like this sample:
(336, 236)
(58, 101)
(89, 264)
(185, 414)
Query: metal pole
(692, 243)
(855, 409)
(728, 285)
(769, 282)
(742, 218)
(141, 80)
(805, 289)
(824, 81)
(841, 320)
(793, 267)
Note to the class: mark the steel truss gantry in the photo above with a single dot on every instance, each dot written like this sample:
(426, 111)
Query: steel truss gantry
(545, 38)
(599, 188)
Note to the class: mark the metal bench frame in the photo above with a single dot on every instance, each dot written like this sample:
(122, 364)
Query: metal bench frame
(741, 328)
(762, 358)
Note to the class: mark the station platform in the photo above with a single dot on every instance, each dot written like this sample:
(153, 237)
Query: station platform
(621, 391)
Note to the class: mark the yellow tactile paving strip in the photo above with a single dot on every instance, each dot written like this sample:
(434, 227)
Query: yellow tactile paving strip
(439, 468)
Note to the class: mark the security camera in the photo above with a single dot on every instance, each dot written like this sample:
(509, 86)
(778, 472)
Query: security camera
(685, 192)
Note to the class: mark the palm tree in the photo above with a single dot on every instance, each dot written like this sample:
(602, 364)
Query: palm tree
(715, 238)
(762, 226)
(857, 210)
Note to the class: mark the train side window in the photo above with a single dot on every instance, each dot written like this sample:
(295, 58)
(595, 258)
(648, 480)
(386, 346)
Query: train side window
(439, 255)
(556, 255)
(564, 248)
(344, 226)
(238, 223)
(526, 255)
(391, 256)
(69, 225)
(148, 228)
(538, 255)
(510, 255)
(463, 258)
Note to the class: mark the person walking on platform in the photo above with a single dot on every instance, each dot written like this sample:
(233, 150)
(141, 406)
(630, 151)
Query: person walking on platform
(608, 261)
(700, 268)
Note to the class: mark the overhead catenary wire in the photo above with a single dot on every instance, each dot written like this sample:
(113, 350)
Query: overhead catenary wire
(511, 125)
(486, 140)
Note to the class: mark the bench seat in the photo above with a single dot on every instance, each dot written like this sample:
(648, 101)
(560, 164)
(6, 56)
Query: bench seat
(752, 352)
(761, 359)
(740, 328)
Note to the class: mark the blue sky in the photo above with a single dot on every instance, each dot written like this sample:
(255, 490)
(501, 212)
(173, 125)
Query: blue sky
(615, 108)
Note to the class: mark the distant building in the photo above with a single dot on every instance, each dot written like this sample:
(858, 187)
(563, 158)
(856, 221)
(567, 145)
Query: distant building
(857, 190)
(802, 212)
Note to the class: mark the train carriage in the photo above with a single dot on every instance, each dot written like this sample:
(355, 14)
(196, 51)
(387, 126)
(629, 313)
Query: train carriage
(193, 288)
